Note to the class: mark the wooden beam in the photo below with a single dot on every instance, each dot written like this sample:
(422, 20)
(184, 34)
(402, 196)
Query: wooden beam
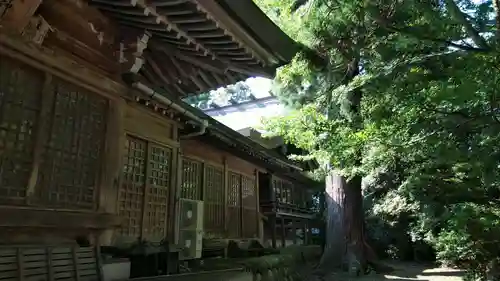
(157, 69)
(217, 66)
(49, 218)
(83, 23)
(91, 58)
(18, 16)
(207, 80)
(57, 64)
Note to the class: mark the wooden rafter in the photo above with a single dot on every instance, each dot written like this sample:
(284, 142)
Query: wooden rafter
(214, 11)
(173, 26)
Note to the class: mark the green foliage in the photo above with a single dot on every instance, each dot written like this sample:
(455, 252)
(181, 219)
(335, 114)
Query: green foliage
(427, 132)
(232, 94)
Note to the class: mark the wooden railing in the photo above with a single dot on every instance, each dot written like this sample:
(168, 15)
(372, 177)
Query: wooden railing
(269, 207)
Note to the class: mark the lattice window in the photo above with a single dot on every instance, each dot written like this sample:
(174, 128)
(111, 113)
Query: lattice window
(20, 89)
(277, 190)
(234, 205)
(286, 193)
(131, 196)
(191, 179)
(160, 162)
(73, 148)
(214, 206)
(146, 180)
(249, 207)
(282, 191)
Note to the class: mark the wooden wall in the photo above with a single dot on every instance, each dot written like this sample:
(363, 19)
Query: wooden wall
(79, 157)
(147, 186)
(60, 123)
(55, 155)
(227, 184)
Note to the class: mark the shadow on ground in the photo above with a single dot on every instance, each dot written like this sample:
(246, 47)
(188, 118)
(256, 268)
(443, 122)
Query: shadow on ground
(405, 272)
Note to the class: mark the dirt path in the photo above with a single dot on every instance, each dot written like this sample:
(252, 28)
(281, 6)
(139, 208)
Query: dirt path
(404, 271)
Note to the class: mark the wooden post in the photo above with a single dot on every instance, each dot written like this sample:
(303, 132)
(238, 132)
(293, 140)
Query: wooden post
(226, 197)
(172, 192)
(306, 233)
(283, 233)
(241, 232)
(177, 196)
(203, 180)
(47, 98)
(294, 230)
(273, 230)
(144, 224)
(257, 205)
(112, 168)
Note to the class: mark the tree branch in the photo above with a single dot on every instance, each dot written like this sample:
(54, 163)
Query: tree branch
(459, 16)
(449, 43)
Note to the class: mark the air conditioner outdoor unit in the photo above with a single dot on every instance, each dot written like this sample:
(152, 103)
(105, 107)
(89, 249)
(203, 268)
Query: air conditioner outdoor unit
(191, 229)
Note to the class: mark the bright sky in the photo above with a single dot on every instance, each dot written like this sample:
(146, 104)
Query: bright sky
(252, 117)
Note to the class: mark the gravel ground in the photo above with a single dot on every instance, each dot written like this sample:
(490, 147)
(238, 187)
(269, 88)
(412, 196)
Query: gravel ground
(405, 271)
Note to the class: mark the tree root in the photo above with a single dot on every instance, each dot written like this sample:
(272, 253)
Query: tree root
(373, 262)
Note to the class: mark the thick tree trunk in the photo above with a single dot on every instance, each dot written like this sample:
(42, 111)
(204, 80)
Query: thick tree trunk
(345, 243)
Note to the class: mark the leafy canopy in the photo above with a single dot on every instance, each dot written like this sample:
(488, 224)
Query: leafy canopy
(428, 128)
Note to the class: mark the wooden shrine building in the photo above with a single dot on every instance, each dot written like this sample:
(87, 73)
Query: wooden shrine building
(95, 141)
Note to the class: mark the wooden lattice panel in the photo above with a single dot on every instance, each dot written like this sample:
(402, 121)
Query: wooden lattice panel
(234, 205)
(20, 92)
(47, 263)
(282, 191)
(157, 190)
(248, 194)
(131, 196)
(214, 206)
(191, 179)
(249, 207)
(286, 193)
(73, 149)
(277, 188)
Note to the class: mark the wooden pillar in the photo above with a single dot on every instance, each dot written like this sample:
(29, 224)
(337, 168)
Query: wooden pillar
(226, 196)
(306, 233)
(242, 217)
(273, 230)
(111, 173)
(257, 206)
(283, 233)
(177, 195)
(294, 230)
(47, 97)
(144, 223)
(174, 193)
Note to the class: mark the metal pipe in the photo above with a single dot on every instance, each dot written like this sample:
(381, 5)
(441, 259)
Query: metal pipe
(167, 102)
